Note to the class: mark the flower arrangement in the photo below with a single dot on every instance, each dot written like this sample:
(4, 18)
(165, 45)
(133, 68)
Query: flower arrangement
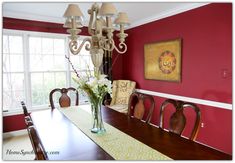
(96, 86)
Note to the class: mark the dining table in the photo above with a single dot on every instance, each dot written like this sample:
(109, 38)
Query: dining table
(62, 139)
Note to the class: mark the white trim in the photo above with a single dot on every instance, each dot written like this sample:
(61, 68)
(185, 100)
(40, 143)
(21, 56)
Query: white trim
(171, 12)
(14, 133)
(20, 111)
(166, 14)
(12, 112)
(34, 109)
(33, 17)
(188, 99)
(34, 33)
(27, 82)
(68, 71)
(36, 17)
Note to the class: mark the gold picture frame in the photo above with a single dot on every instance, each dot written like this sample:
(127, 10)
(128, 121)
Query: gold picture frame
(162, 60)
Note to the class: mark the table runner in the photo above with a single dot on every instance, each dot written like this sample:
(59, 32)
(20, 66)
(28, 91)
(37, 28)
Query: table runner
(115, 142)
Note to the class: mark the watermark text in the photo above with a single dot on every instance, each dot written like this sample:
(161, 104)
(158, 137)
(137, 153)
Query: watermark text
(25, 152)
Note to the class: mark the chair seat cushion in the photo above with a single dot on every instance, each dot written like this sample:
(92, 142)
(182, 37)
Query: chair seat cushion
(121, 92)
(119, 107)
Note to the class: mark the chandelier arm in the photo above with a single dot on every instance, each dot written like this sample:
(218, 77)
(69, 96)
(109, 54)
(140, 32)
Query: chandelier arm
(93, 12)
(73, 45)
(90, 31)
(121, 46)
(107, 44)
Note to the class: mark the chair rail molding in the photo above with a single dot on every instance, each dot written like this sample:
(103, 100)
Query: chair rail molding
(188, 99)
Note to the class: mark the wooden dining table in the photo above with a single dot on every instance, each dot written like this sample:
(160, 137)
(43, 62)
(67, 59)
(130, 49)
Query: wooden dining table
(62, 140)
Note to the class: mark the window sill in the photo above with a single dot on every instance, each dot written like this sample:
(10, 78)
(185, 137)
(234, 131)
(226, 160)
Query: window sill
(19, 111)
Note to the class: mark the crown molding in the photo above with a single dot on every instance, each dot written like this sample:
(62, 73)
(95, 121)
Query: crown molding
(35, 17)
(21, 15)
(171, 12)
(166, 14)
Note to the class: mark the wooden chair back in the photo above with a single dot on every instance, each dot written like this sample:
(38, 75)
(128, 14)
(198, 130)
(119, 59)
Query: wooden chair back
(28, 121)
(38, 148)
(26, 113)
(177, 121)
(39, 151)
(64, 100)
(137, 107)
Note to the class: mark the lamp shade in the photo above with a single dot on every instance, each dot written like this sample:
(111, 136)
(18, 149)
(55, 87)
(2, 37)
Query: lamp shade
(122, 19)
(73, 10)
(107, 9)
(68, 24)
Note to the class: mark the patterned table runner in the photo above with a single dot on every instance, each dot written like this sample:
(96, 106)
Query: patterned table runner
(115, 142)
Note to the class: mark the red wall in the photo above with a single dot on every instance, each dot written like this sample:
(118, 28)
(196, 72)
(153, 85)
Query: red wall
(206, 34)
(13, 123)
(38, 26)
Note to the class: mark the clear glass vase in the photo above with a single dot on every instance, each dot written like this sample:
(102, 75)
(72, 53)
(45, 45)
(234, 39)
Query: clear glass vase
(98, 126)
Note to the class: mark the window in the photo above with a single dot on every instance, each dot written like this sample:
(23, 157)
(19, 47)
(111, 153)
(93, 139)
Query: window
(34, 64)
(13, 71)
(47, 67)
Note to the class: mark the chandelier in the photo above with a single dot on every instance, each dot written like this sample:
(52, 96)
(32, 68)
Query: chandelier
(100, 28)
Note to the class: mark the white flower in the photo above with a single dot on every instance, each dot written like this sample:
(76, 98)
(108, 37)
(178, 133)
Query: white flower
(92, 82)
(97, 86)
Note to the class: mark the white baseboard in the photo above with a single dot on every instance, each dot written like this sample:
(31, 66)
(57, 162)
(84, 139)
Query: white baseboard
(15, 133)
(188, 99)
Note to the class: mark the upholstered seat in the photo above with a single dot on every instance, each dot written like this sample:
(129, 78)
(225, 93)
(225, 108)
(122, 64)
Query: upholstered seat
(121, 92)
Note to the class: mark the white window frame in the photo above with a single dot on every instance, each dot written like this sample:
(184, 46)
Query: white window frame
(27, 73)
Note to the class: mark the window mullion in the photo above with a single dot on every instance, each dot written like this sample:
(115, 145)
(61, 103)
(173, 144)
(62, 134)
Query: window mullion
(68, 72)
(27, 73)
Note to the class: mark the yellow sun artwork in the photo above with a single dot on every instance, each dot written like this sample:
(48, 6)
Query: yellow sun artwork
(163, 60)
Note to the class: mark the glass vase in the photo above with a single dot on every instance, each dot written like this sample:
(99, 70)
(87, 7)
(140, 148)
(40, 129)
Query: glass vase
(98, 126)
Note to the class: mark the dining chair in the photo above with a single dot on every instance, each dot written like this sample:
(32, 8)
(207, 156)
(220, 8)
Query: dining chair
(141, 106)
(121, 92)
(40, 153)
(26, 113)
(64, 100)
(177, 120)
(28, 121)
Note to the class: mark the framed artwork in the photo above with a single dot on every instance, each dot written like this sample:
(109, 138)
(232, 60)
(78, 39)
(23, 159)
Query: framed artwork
(163, 60)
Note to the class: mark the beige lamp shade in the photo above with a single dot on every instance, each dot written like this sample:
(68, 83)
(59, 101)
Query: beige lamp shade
(107, 9)
(122, 19)
(73, 10)
(68, 24)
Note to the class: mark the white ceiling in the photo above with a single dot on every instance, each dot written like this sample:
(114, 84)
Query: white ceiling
(138, 12)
